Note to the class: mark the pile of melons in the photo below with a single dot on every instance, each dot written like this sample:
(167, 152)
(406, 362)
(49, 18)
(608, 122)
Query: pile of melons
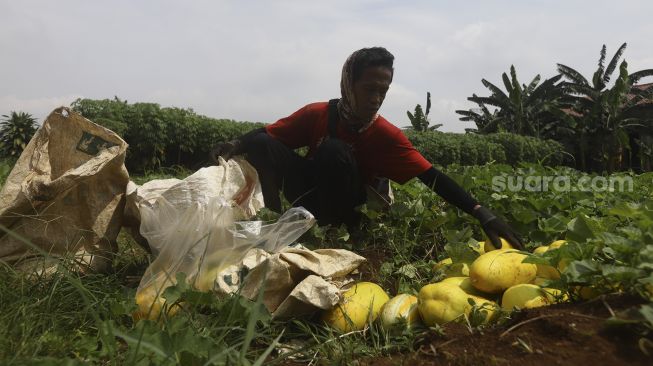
(497, 279)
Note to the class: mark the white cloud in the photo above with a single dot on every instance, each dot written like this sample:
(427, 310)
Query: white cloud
(473, 35)
(261, 60)
(444, 111)
(37, 107)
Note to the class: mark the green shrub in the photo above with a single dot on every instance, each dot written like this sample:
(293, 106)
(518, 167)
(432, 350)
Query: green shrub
(16, 130)
(520, 148)
(445, 148)
(166, 137)
(161, 137)
(5, 168)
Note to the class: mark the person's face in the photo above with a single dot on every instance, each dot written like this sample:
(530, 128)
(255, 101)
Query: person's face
(370, 89)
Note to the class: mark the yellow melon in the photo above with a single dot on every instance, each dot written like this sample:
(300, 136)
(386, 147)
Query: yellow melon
(150, 305)
(360, 304)
(555, 296)
(524, 296)
(440, 303)
(465, 284)
(541, 250)
(557, 244)
(498, 270)
(488, 246)
(400, 310)
(451, 269)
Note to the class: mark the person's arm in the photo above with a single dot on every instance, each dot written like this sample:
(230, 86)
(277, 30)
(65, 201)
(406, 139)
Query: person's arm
(449, 190)
(454, 194)
(234, 147)
(292, 131)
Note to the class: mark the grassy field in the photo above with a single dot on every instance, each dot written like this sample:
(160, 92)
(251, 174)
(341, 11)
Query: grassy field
(68, 319)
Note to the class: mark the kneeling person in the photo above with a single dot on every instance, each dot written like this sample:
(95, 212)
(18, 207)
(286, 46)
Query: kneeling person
(349, 146)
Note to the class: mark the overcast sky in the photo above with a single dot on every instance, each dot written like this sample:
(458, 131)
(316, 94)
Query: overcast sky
(262, 60)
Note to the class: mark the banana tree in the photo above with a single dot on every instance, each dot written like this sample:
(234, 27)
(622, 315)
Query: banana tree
(522, 109)
(420, 120)
(603, 119)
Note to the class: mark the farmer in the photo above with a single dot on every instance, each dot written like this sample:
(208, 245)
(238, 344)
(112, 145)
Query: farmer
(349, 146)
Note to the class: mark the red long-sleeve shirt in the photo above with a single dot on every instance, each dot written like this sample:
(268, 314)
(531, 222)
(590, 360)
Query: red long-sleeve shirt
(381, 150)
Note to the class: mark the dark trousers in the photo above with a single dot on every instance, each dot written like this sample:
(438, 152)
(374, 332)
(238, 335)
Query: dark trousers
(328, 184)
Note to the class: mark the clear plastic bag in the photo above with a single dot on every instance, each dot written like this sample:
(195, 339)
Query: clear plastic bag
(202, 240)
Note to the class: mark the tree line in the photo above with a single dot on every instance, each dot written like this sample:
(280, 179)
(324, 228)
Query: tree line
(605, 128)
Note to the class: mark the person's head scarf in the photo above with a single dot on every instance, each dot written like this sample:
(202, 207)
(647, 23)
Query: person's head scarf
(347, 104)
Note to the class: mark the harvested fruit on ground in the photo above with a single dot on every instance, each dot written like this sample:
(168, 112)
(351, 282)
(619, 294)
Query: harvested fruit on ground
(540, 281)
(451, 269)
(360, 304)
(440, 303)
(544, 248)
(555, 296)
(488, 246)
(586, 292)
(546, 271)
(401, 310)
(150, 306)
(541, 250)
(524, 296)
(562, 265)
(498, 270)
(465, 283)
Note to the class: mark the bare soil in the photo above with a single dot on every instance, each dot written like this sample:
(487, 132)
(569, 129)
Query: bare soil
(563, 334)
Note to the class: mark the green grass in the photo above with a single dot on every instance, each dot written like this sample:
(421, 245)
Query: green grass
(73, 319)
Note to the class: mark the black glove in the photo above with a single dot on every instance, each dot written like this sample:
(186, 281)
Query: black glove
(234, 147)
(226, 150)
(495, 228)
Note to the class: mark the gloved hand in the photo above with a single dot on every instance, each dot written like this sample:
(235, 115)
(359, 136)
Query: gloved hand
(495, 228)
(226, 150)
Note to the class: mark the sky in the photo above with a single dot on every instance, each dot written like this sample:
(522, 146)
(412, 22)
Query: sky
(262, 60)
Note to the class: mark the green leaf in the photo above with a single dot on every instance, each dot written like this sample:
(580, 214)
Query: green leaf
(539, 236)
(536, 259)
(524, 215)
(460, 252)
(172, 294)
(581, 271)
(624, 209)
(408, 271)
(554, 224)
(621, 273)
(618, 243)
(634, 315)
(387, 268)
(579, 230)
(647, 313)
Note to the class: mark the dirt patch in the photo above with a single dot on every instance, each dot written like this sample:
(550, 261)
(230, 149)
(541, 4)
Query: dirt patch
(369, 270)
(565, 334)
